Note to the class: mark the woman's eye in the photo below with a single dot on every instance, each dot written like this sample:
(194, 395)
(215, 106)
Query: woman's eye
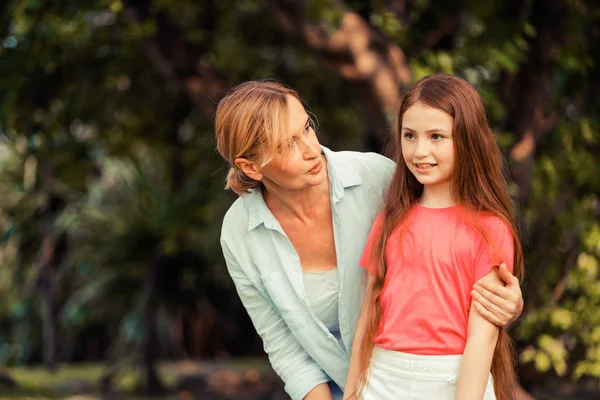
(289, 145)
(436, 137)
(310, 126)
(408, 136)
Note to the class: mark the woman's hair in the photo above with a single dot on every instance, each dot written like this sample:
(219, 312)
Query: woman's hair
(478, 184)
(251, 121)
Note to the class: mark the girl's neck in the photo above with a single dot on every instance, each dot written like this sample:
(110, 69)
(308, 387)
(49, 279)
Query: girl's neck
(437, 196)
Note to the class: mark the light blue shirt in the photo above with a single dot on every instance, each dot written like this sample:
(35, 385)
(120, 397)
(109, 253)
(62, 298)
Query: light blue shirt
(267, 273)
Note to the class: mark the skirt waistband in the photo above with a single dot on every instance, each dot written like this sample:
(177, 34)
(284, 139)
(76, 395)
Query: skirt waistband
(444, 367)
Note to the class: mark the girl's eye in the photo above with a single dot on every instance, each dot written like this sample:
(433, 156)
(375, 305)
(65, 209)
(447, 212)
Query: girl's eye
(408, 136)
(436, 137)
(307, 129)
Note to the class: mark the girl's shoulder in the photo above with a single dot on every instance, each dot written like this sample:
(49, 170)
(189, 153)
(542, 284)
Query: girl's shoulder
(488, 218)
(493, 224)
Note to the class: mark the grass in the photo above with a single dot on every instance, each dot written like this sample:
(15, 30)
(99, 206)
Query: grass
(36, 382)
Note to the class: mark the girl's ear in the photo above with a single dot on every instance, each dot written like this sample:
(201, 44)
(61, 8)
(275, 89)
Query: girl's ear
(250, 168)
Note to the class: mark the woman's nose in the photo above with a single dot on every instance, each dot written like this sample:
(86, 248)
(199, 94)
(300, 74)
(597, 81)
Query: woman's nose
(311, 149)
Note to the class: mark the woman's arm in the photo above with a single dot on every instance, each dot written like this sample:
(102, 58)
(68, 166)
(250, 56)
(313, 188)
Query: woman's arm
(354, 369)
(498, 301)
(319, 392)
(477, 358)
(303, 377)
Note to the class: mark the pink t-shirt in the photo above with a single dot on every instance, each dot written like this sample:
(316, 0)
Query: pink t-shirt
(427, 290)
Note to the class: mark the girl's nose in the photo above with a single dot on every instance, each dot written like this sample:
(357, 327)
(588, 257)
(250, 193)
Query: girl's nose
(421, 148)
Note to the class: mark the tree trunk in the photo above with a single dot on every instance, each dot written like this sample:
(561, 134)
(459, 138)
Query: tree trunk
(49, 323)
(45, 276)
(152, 382)
(529, 119)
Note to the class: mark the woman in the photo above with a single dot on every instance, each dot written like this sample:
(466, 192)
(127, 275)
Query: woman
(293, 240)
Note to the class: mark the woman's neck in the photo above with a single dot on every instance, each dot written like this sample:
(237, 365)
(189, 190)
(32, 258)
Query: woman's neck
(305, 204)
(437, 196)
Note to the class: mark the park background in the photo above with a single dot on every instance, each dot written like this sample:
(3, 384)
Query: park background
(112, 282)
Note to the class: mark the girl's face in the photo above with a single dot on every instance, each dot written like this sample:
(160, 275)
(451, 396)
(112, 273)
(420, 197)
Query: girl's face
(427, 145)
(299, 164)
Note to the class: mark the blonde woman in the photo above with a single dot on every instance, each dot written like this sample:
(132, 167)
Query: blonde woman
(293, 240)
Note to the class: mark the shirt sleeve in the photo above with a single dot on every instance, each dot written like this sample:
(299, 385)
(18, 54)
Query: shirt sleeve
(366, 260)
(499, 248)
(298, 371)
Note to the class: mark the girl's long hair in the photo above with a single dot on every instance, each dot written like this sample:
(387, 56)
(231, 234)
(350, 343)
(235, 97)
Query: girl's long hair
(478, 184)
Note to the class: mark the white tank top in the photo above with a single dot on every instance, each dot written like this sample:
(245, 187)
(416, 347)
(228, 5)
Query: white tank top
(322, 292)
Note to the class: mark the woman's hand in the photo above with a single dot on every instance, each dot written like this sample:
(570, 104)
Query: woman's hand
(499, 304)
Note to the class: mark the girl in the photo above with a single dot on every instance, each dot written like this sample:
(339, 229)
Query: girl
(447, 221)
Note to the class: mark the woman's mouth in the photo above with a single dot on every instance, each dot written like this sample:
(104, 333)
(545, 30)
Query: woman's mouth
(316, 169)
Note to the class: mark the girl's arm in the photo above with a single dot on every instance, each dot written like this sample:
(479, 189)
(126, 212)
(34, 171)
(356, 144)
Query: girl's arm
(354, 369)
(477, 358)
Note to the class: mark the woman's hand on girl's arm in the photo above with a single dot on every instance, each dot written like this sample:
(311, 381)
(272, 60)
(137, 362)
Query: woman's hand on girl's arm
(477, 358)
(500, 301)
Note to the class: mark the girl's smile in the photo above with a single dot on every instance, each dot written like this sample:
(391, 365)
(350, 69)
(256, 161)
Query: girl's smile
(424, 168)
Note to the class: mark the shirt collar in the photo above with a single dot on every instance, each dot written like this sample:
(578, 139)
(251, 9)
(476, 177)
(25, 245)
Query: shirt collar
(342, 175)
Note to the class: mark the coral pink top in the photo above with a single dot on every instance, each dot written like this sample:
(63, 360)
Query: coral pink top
(430, 272)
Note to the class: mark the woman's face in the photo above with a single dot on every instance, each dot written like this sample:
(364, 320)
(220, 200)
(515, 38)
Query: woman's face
(299, 164)
(427, 145)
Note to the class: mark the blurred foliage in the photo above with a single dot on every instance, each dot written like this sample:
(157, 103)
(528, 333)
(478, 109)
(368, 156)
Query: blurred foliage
(119, 162)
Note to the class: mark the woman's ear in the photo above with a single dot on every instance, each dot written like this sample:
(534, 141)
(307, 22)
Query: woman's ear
(250, 168)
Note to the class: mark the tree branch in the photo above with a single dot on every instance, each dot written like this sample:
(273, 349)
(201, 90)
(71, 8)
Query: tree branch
(449, 25)
(356, 52)
(568, 266)
(398, 7)
(180, 62)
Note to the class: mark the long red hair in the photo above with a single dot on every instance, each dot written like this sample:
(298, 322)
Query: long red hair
(478, 184)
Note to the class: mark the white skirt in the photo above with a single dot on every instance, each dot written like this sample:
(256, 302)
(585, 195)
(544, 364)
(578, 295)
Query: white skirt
(394, 375)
